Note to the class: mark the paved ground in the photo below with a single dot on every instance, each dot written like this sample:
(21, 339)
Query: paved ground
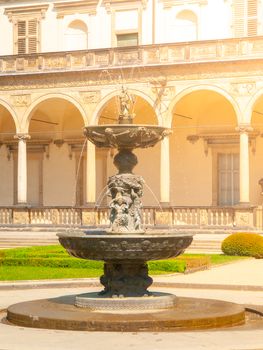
(218, 283)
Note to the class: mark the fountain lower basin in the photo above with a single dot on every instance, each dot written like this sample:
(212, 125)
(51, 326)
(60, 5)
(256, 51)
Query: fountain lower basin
(100, 245)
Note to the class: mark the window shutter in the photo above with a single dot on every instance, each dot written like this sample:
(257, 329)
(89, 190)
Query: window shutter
(239, 18)
(27, 36)
(21, 27)
(32, 36)
(21, 37)
(21, 46)
(252, 20)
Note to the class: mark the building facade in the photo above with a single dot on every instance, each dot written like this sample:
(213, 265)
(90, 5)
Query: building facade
(193, 66)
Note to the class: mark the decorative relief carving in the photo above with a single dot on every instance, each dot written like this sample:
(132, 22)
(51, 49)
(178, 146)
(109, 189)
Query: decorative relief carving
(244, 218)
(93, 78)
(56, 62)
(204, 51)
(21, 100)
(244, 128)
(243, 88)
(72, 7)
(88, 97)
(78, 60)
(14, 13)
(20, 217)
(10, 65)
(124, 4)
(161, 91)
(128, 57)
(171, 3)
(102, 59)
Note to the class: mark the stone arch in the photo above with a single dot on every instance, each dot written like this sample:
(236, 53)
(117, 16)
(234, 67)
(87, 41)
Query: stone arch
(204, 120)
(115, 93)
(28, 114)
(249, 108)
(204, 87)
(12, 113)
(254, 118)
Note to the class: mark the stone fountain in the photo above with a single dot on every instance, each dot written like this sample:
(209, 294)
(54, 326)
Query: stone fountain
(125, 247)
(125, 303)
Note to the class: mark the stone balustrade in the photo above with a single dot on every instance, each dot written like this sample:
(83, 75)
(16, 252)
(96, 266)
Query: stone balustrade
(185, 217)
(147, 55)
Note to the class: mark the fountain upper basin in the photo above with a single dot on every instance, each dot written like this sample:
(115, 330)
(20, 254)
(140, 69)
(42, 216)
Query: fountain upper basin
(100, 245)
(125, 135)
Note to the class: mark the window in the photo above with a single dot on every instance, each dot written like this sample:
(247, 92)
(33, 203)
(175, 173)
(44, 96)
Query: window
(130, 39)
(184, 28)
(228, 178)
(27, 36)
(26, 26)
(76, 36)
(245, 17)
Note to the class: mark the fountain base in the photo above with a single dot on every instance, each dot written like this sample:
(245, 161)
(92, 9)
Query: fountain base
(188, 314)
(155, 301)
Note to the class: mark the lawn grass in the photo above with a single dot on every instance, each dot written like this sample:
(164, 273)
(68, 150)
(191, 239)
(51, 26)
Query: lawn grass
(53, 262)
(20, 273)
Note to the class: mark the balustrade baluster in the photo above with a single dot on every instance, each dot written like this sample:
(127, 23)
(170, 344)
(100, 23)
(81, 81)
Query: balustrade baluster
(149, 217)
(211, 217)
(61, 217)
(227, 218)
(180, 216)
(188, 219)
(222, 219)
(218, 215)
(175, 217)
(143, 218)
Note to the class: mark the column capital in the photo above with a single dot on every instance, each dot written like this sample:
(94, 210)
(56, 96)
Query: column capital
(244, 128)
(22, 136)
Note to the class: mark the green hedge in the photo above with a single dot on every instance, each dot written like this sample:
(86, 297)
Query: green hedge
(243, 244)
(52, 262)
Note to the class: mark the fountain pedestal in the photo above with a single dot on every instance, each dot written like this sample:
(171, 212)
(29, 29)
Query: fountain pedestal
(125, 279)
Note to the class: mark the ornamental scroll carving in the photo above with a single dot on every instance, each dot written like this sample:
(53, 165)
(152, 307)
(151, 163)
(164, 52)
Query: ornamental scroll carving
(243, 88)
(21, 100)
(89, 97)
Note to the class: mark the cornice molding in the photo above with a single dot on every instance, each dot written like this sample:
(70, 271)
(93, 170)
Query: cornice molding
(171, 3)
(72, 7)
(15, 12)
(113, 5)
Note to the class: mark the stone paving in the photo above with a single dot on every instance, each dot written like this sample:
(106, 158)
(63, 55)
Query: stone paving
(217, 283)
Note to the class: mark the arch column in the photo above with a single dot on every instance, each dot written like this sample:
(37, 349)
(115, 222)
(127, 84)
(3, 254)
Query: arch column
(165, 171)
(91, 174)
(244, 198)
(22, 169)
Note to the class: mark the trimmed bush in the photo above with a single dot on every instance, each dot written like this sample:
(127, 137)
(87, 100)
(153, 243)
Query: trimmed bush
(243, 244)
(169, 266)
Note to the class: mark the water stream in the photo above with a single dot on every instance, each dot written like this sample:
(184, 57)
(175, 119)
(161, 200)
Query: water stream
(72, 223)
(101, 197)
(154, 196)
